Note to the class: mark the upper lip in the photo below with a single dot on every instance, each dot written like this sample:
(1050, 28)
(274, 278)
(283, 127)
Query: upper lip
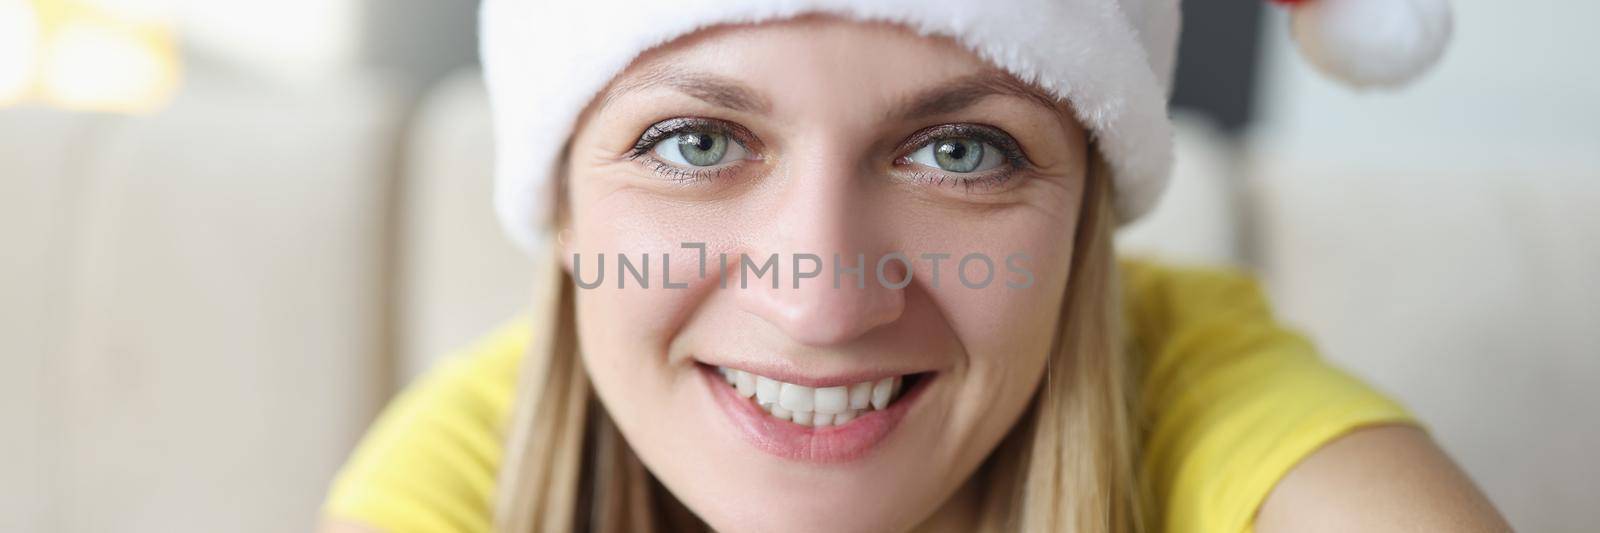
(788, 373)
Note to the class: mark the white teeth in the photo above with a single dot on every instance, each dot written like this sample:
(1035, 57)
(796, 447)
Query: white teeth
(861, 395)
(781, 413)
(816, 407)
(766, 391)
(797, 398)
(844, 418)
(745, 382)
(832, 400)
(880, 392)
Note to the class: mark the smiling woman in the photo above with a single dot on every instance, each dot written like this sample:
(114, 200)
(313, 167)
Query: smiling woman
(1101, 397)
(831, 161)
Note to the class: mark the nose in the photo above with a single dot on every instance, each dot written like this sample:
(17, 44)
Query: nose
(821, 227)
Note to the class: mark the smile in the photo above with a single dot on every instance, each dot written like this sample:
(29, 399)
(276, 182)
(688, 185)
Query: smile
(826, 421)
(816, 407)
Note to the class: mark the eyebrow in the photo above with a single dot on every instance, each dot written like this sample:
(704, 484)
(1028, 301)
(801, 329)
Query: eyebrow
(966, 91)
(716, 90)
(721, 91)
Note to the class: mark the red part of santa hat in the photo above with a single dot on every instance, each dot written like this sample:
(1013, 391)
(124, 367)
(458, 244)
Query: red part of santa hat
(1371, 43)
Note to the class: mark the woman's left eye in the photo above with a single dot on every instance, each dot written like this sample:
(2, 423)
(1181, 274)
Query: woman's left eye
(960, 155)
(700, 149)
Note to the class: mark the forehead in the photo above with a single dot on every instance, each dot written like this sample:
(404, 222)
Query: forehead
(813, 63)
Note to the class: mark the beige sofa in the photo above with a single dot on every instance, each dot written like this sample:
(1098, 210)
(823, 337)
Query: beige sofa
(201, 309)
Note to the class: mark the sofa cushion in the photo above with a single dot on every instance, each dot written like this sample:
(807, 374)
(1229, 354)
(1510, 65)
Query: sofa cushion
(203, 299)
(1471, 296)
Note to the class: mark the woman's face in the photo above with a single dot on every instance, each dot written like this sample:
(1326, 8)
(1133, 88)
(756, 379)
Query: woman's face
(859, 404)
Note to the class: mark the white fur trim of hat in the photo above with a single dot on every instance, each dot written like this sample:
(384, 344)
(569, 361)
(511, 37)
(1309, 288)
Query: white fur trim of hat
(1112, 59)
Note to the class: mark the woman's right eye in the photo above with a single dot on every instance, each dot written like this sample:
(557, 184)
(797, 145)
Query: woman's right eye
(699, 149)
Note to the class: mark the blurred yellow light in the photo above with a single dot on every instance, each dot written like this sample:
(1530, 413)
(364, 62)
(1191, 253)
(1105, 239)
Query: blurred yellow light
(93, 66)
(19, 43)
(138, 11)
(96, 55)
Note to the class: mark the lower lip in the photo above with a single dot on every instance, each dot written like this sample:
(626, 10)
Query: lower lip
(830, 444)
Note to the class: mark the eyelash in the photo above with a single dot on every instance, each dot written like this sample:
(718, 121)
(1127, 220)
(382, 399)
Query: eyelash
(666, 129)
(1015, 159)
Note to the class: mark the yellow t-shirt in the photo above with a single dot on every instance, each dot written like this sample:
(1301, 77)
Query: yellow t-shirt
(1230, 401)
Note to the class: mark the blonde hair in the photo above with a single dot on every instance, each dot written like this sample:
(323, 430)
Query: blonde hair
(1068, 465)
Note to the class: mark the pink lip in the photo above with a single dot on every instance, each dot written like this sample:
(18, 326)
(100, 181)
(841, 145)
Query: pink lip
(832, 444)
(789, 374)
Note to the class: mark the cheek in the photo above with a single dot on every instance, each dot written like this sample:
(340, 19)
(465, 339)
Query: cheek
(1028, 260)
(625, 335)
(1007, 335)
(628, 318)
(610, 226)
(1005, 332)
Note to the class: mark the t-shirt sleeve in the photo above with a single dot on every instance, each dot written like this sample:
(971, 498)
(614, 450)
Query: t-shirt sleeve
(1230, 400)
(429, 461)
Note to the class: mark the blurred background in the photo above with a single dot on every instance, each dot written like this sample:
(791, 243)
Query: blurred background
(232, 229)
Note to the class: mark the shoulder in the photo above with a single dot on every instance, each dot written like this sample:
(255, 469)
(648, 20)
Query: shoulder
(1229, 399)
(1245, 425)
(1387, 478)
(430, 459)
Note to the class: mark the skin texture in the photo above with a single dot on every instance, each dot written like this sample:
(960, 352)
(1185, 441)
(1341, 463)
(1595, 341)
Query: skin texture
(828, 107)
(823, 104)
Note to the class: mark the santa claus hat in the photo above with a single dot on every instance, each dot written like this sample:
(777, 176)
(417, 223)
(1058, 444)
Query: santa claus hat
(1371, 43)
(1112, 59)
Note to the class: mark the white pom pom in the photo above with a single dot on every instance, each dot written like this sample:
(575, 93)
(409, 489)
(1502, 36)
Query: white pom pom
(1373, 43)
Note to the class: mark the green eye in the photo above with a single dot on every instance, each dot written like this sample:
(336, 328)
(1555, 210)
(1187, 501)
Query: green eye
(957, 154)
(699, 149)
